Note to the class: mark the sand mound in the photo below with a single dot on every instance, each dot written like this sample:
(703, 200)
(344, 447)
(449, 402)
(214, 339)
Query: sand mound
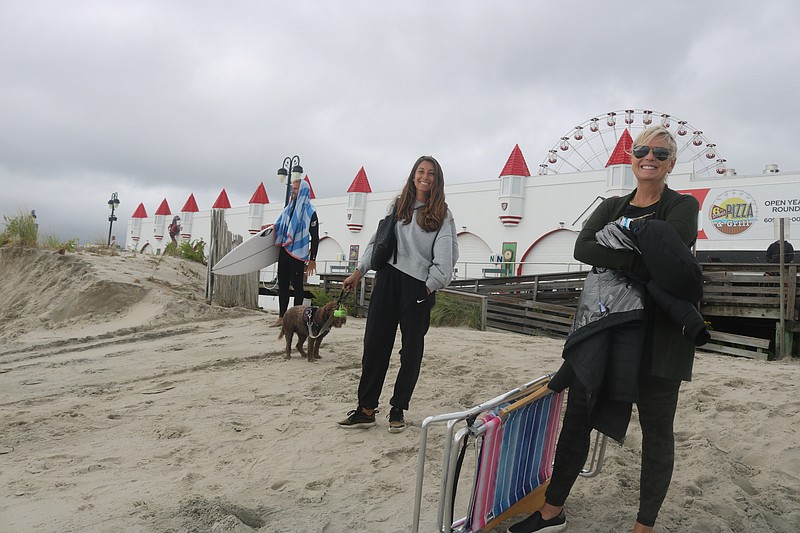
(130, 405)
(94, 294)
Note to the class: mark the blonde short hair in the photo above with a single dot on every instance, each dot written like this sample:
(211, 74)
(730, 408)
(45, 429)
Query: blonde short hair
(658, 132)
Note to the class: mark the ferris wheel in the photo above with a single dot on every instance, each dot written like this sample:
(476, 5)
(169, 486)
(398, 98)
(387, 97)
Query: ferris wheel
(588, 146)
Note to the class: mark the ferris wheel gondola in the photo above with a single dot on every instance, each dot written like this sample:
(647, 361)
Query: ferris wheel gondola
(588, 146)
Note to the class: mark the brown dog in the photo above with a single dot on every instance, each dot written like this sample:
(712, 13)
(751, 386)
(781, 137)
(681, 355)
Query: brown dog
(294, 321)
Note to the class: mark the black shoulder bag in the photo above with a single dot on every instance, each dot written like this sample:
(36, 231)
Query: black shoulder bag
(384, 246)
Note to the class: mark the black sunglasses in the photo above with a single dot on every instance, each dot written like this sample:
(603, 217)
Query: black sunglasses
(640, 151)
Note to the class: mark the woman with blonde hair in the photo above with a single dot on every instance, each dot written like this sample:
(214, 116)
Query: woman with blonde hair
(654, 341)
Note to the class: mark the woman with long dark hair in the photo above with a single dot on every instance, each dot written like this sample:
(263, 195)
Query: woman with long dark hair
(404, 292)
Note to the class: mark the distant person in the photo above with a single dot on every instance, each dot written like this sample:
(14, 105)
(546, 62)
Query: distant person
(175, 229)
(404, 293)
(297, 235)
(774, 252)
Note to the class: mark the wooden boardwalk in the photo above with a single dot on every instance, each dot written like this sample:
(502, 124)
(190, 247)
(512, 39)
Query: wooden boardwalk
(546, 303)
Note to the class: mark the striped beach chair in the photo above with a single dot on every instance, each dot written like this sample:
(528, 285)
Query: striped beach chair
(513, 438)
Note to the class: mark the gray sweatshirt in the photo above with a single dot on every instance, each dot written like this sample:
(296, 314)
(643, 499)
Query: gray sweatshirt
(414, 247)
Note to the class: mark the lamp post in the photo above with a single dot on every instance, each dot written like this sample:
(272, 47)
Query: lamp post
(291, 165)
(113, 203)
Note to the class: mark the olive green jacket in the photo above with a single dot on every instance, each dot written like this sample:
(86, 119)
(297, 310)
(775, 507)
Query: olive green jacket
(667, 353)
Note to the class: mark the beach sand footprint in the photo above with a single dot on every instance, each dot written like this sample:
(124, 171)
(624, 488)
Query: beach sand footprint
(161, 387)
(172, 432)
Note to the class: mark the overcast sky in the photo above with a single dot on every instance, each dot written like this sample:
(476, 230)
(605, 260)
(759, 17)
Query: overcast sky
(159, 99)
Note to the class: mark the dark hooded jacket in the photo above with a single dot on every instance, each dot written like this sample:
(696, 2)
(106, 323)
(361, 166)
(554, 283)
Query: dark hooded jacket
(611, 298)
(667, 352)
(678, 289)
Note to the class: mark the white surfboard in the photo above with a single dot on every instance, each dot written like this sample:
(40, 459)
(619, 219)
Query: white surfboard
(257, 252)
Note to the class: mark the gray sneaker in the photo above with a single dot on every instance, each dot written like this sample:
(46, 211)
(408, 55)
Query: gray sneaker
(358, 419)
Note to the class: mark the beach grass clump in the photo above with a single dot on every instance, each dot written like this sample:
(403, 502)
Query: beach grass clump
(194, 251)
(20, 230)
(320, 297)
(51, 242)
(191, 251)
(452, 311)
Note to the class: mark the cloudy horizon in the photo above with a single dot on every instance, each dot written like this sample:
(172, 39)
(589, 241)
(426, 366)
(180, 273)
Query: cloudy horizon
(156, 100)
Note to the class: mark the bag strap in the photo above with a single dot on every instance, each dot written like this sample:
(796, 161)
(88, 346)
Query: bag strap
(394, 227)
(434, 242)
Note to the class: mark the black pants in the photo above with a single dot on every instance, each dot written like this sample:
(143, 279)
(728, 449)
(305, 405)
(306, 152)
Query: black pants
(397, 299)
(290, 270)
(658, 400)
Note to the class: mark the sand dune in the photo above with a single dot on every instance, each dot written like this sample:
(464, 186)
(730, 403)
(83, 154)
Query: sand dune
(129, 405)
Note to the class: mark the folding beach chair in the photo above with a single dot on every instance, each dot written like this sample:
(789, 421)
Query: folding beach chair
(513, 437)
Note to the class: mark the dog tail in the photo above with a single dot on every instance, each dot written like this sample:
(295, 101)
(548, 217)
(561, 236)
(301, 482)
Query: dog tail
(280, 335)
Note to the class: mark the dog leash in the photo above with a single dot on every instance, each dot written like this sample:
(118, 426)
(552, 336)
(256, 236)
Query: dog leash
(327, 325)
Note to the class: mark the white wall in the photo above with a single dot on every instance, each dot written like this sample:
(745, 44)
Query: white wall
(553, 202)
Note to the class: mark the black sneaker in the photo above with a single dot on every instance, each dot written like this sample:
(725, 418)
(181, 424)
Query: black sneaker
(535, 522)
(358, 419)
(397, 422)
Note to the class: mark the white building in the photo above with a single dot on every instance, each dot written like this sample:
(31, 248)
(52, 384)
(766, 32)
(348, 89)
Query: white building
(529, 221)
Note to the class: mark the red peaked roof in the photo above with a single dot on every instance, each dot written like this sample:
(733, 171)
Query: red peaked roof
(190, 206)
(313, 196)
(622, 151)
(163, 209)
(140, 212)
(516, 165)
(360, 183)
(222, 201)
(260, 196)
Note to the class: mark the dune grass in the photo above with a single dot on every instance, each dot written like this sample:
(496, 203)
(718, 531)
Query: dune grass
(20, 230)
(451, 311)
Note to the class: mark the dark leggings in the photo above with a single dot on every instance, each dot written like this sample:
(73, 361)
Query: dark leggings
(290, 270)
(658, 400)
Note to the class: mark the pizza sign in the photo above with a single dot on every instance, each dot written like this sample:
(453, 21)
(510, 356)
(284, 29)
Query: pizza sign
(733, 212)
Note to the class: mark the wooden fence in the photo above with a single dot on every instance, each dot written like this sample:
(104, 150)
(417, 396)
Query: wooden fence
(546, 302)
(228, 291)
(332, 284)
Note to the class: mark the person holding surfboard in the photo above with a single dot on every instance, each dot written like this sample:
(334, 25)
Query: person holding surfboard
(297, 236)
(404, 292)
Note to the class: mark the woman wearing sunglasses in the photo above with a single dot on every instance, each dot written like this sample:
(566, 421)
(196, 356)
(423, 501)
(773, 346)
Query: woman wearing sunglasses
(664, 355)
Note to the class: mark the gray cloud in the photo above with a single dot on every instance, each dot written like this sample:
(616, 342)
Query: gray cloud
(163, 99)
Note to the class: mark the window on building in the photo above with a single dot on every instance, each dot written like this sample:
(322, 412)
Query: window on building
(516, 185)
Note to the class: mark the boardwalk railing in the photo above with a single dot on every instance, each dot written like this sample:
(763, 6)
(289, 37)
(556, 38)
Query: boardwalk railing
(540, 303)
(750, 290)
(547, 302)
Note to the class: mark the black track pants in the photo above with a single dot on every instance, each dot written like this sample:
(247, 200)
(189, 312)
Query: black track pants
(397, 299)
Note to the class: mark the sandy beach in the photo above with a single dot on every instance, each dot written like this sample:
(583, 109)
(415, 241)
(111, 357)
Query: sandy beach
(129, 405)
